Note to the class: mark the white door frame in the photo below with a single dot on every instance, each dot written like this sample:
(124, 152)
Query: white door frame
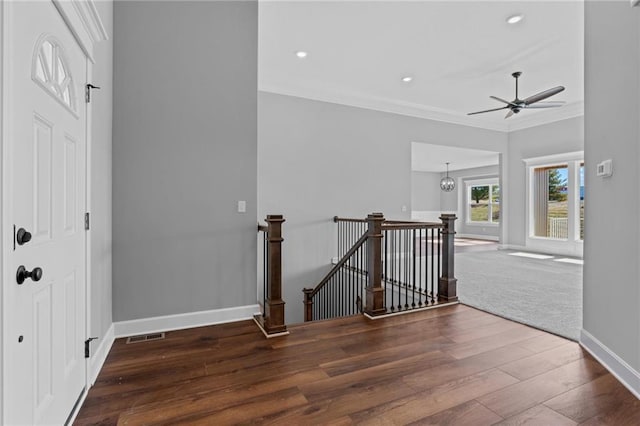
(83, 20)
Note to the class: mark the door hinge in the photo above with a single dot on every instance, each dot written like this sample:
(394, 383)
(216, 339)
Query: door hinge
(87, 351)
(87, 91)
(87, 221)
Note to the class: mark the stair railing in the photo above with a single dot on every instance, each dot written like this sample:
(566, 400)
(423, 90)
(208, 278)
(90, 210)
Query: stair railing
(394, 266)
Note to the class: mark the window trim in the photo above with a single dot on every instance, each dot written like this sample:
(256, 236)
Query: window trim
(492, 181)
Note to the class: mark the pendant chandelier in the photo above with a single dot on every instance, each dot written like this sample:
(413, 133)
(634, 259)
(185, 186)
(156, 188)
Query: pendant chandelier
(447, 184)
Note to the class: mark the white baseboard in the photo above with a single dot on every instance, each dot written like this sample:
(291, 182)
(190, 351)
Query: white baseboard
(99, 356)
(512, 247)
(409, 311)
(628, 376)
(541, 250)
(186, 320)
(478, 237)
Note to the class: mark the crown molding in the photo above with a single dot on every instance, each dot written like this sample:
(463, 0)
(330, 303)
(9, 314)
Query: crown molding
(385, 105)
(83, 19)
(571, 110)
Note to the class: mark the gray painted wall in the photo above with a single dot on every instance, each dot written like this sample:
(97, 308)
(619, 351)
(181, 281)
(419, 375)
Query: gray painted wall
(184, 153)
(318, 159)
(611, 248)
(454, 201)
(553, 138)
(425, 191)
(101, 178)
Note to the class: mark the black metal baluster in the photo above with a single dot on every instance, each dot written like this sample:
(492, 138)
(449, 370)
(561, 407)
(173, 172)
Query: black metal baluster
(420, 260)
(433, 269)
(426, 268)
(359, 266)
(350, 269)
(347, 288)
(325, 309)
(332, 300)
(337, 302)
(385, 274)
(334, 296)
(339, 297)
(398, 267)
(413, 268)
(340, 241)
(392, 267)
(406, 269)
(439, 253)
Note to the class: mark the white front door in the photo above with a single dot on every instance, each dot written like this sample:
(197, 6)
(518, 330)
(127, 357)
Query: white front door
(44, 322)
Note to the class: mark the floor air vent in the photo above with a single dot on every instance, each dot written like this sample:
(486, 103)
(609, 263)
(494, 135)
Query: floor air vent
(145, 338)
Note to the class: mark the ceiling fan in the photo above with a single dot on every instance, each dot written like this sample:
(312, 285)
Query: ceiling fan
(516, 105)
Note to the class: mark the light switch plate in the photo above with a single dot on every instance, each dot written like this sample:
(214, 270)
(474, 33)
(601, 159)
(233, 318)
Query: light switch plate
(242, 206)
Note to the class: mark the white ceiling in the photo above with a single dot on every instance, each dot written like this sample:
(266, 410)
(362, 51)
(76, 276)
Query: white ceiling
(433, 158)
(458, 52)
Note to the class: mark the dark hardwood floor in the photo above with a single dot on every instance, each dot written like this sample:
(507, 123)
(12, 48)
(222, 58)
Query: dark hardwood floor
(449, 366)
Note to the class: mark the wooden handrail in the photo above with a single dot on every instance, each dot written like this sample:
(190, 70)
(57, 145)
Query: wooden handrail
(414, 225)
(424, 249)
(386, 221)
(407, 221)
(347, 219)
(263, 228)
(312, 292)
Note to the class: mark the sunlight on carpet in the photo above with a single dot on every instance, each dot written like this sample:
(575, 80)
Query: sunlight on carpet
(540, 292)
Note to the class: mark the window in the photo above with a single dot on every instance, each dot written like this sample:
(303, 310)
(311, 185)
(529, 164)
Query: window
(555, 201)
(51, 72)
(551, 212)
(483, 201)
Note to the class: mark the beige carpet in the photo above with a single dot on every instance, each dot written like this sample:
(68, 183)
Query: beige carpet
(543, 293)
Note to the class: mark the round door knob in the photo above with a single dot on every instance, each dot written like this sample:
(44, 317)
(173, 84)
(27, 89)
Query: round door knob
(23, 274)
(23, 236)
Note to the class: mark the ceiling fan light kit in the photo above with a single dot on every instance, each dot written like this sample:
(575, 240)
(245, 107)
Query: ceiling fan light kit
(516, 105)
(447, 184)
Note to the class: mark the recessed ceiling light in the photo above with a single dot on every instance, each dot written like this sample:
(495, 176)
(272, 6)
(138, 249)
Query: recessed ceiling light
(407, 79)
(514, 19)
(301, 54)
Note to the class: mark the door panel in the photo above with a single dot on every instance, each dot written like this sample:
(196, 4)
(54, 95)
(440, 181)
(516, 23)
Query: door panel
(70, 185)
(46, 134)
(42, 179)
(42, 336)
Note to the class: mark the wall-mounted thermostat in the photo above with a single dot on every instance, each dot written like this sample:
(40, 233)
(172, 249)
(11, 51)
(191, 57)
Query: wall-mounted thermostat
(605, 168)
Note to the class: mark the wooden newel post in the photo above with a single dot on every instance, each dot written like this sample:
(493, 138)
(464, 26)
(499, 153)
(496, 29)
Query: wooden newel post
(375, 292)
(447, 283)
(274, 305)
(308, 304)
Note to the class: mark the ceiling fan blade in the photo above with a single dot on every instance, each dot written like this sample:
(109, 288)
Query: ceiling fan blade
(502, 100)
(487, 110)
(550, 104)
(509, 114)
(543, 95)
